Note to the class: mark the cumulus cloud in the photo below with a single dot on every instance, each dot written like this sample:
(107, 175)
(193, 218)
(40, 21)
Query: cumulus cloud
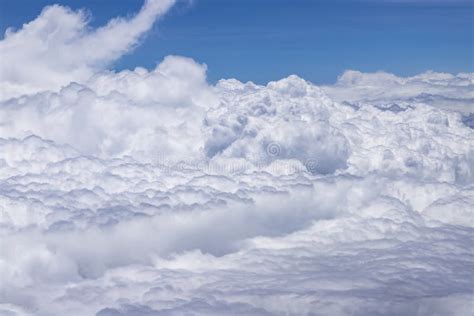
(142, 113)
(59, 47)
(385, 90)
(152, 192)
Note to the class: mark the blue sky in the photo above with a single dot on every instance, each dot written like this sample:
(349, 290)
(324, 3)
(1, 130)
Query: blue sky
(264, 40)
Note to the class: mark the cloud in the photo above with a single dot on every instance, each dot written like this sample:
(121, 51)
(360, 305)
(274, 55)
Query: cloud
(443, 90)
(248, 227)
(141, 113)
(152, 192)
(59, 47)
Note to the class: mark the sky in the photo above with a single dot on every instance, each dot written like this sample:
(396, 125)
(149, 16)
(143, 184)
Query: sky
(156, 191)
(267, 40)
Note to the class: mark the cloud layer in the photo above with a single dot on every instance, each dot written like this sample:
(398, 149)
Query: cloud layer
(152, 192)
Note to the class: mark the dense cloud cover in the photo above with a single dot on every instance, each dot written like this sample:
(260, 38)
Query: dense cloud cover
(152, 192)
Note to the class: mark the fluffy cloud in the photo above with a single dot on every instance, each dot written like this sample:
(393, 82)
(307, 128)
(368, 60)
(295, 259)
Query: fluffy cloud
(151, 192)
(85, 235)
(58, 47)
(138, 112)
(387, 91)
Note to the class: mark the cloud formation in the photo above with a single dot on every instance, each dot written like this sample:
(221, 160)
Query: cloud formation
(59, 47)
(443, 90)
(152, 192)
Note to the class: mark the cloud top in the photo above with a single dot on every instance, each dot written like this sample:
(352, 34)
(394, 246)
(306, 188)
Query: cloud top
(59, 47)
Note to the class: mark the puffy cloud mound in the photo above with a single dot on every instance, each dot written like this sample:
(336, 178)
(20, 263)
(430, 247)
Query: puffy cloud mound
(137, 113)
(152, 192)
(58, 47)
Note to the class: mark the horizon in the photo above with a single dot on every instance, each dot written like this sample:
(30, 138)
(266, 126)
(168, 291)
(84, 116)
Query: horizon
(327, 38)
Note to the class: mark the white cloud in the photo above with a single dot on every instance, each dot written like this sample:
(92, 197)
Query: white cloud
(59, 47)
(443, 90)
(151, 192)
(145, 114)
